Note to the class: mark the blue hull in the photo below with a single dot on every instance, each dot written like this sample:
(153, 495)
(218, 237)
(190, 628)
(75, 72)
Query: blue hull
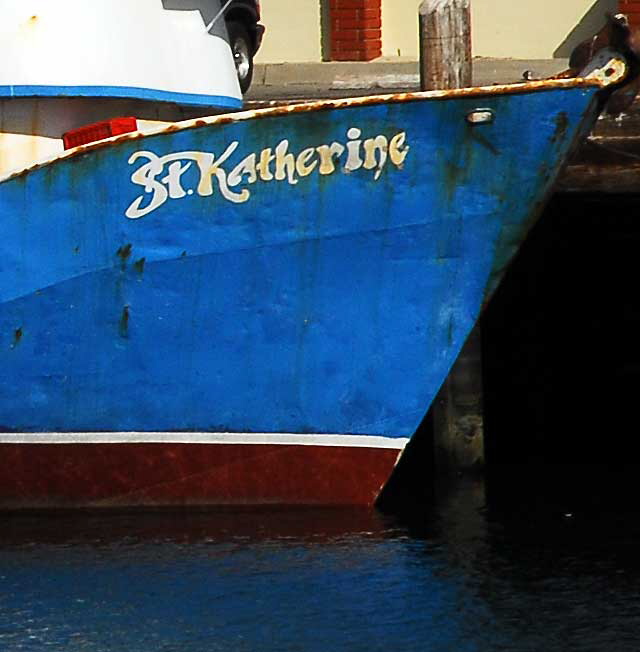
(142, 289)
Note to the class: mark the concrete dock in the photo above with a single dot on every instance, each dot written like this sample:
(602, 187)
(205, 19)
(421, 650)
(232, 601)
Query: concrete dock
(337, 79)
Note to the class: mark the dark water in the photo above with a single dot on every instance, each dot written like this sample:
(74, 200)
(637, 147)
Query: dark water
(561, 339)
(461, 578)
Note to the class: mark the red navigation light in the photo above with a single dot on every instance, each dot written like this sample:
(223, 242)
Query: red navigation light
(98, 131)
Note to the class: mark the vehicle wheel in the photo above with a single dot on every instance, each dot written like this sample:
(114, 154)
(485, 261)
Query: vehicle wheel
(242, 50)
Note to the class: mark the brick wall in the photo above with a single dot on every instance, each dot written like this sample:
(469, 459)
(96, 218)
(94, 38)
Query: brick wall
(632, 9)
(356, 29)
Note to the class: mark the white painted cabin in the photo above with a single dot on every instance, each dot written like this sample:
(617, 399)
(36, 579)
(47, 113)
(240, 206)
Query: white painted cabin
(68, 63)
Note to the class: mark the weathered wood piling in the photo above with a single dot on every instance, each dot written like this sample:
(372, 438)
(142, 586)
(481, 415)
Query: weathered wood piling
(445, 63)
(445, 44)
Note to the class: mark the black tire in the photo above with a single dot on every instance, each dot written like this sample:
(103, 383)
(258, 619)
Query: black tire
(242, 49)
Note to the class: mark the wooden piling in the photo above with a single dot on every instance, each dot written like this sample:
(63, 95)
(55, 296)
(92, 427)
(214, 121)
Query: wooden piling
(458, 423)
(445, 62)
(445, 44)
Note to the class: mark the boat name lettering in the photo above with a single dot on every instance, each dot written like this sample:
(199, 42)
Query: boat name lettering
(163, 177)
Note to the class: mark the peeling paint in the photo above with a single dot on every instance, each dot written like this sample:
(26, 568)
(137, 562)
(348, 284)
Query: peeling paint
(124, 322)
(139, 265)
(124, 252)
(17, 337)
(562, 124)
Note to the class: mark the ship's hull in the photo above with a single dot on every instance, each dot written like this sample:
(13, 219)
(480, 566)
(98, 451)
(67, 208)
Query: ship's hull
(123, 470)
(305, 271)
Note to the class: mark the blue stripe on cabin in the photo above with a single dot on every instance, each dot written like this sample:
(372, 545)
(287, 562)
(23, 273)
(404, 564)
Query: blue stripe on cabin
(194, 99)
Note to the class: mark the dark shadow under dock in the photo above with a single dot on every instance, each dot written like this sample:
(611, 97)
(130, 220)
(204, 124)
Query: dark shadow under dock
(561, 368)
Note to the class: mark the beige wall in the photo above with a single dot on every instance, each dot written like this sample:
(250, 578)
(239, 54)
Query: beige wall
(400, 28)
(517, 29)
(542, 29)
(293, 31)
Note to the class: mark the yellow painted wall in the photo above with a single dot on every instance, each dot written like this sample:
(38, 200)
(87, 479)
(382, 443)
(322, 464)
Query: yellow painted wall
(538, 30)
(518, 29)
(400, 28)
(293, 31)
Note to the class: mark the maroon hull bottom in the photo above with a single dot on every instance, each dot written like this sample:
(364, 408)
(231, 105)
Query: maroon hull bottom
(108, 475)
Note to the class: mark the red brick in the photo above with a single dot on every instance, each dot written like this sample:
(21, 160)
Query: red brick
(355, 29)
(345, 55)
(346, 46)
(371, 13)
(373, 48)
(372, 45)
(350, 23)
(371, 23)
(370, 34)
(344, 14)
(368, 55)
(346, 35)
(347, 4)
(356, 4)
(356, 35)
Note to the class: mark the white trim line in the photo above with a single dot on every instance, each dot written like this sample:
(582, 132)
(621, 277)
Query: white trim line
(257, 438)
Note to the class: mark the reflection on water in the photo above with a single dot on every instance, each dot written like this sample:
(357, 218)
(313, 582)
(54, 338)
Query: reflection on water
(460, 579)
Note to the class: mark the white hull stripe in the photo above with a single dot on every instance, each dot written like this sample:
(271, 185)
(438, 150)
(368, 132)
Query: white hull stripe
(257, 438)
